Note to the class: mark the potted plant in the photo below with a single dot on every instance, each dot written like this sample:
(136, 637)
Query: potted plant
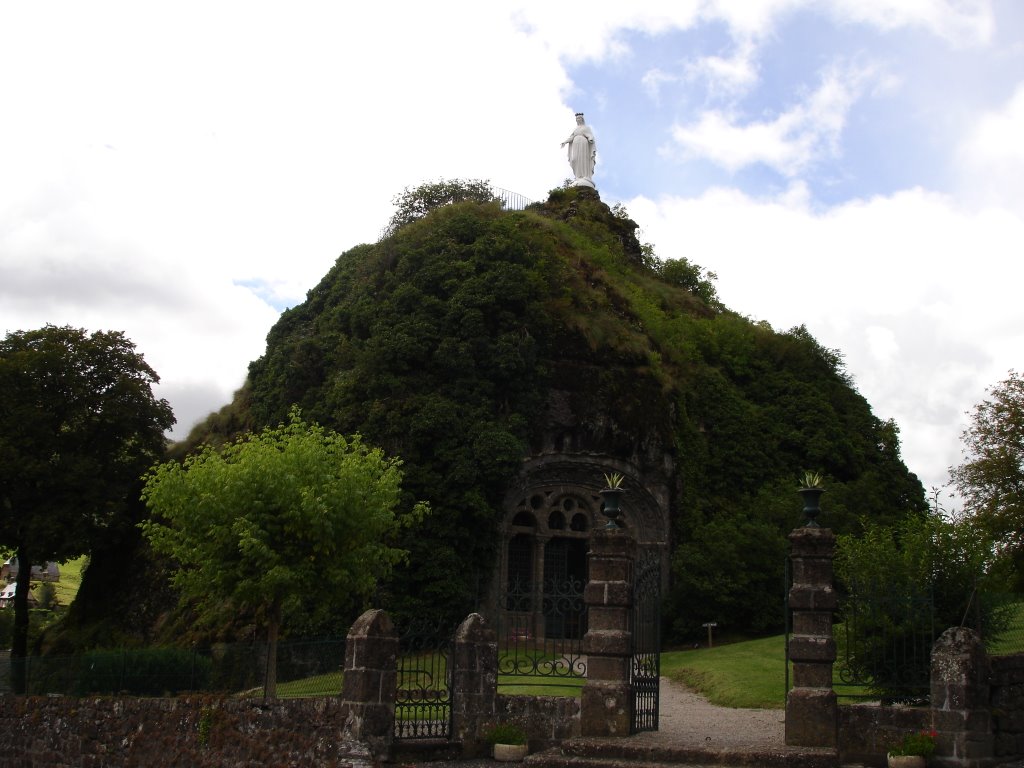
(811, 488)
(913, 750)
(509, 742)
(612, 495)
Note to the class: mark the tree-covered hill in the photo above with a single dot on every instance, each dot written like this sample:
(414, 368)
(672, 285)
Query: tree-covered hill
(474, 337)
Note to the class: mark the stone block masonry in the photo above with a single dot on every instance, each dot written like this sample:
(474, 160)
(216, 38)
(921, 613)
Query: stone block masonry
(197, 731)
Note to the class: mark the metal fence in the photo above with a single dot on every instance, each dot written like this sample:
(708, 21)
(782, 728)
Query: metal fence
(304, 668)
(884, 642)
(885, 635)
(423, 698)
(540, 636)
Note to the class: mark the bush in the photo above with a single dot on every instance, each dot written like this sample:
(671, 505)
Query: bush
(506, 733)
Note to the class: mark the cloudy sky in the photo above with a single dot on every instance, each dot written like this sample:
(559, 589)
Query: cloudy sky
(184, 171)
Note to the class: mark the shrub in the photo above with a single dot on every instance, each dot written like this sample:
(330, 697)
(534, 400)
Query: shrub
(506, 733)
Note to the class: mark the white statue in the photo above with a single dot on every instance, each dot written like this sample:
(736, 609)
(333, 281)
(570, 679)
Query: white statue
(582, 153)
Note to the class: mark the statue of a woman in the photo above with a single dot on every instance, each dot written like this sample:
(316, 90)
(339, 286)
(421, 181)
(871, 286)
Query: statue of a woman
(582, 153)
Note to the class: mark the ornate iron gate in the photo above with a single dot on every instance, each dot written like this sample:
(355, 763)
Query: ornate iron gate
(423, 698)
(645, 665)
(552, 658)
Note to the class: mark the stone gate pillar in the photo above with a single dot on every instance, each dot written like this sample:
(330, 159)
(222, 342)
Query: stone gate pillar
(811, 707)
(368, 689)
(606, 701)
(961, 711)
(474, 682)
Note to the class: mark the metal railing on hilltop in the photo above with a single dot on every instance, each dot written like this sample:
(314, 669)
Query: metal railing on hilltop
(512, 201)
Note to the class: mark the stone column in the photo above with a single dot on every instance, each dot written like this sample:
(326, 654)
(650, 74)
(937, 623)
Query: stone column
(606, 703)
(368, 689)
(961, 712)
(811, 707)
(474, 682)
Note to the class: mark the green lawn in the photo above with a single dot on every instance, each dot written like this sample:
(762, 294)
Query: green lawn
(751, 673)
(70, 580)
(327, 684)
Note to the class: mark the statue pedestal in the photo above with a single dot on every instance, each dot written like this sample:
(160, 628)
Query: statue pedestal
(584, 183)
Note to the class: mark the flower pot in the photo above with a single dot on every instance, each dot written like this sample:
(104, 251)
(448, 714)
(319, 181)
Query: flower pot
(812, 507)
(509, 753)
(906, 761)
(612, 506)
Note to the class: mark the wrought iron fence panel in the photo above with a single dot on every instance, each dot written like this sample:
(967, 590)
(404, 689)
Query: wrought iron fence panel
(545, 648)
(423, 698)
(304, 668)
(885, 642)
(645, 663)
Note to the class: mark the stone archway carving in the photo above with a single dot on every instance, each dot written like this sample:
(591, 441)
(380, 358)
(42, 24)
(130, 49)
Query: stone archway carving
(549, 513)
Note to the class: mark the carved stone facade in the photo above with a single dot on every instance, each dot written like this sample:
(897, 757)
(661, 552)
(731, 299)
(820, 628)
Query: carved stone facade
(549, 515)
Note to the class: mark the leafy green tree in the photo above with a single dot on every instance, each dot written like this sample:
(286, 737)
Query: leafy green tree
(693, 277)
(416, 202)
(79, 425)
(991, 479)
(290, 513)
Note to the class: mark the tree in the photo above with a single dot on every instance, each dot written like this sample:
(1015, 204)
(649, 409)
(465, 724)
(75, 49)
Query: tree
(292, 512)
(991, 479)
(79, 425)
(416, 202)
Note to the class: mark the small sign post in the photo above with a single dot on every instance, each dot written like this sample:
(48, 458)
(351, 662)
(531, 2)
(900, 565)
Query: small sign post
(710, 625)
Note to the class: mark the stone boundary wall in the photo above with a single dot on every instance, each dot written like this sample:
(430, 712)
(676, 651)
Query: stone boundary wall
(977, 710)
(353, 729)
(866, 731)
(200, 731)
(547, 720)
(1007, 701)
(211, 732)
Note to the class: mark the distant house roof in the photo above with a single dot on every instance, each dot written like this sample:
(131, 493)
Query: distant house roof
(45, 572)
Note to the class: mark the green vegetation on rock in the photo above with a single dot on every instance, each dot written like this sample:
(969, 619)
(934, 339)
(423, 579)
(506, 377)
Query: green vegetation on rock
(472, 337)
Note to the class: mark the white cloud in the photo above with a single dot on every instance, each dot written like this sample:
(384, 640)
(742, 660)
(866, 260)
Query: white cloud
(728, 75)
(991, 156)
(959, 22)
(919, 294)
(653, 79)
(791, 141)
(163, 171)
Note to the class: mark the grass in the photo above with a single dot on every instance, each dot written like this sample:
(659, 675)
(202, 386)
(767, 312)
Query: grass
(745, 674)
(327, 684)
(70, 580)
(524, 686)
(1012, 639)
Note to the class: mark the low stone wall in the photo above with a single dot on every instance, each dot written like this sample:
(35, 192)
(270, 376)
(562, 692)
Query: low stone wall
(195, 731)
(547, 720)
(866, 731)
(1007, 697)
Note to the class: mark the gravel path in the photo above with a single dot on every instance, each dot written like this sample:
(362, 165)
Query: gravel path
(688, 719)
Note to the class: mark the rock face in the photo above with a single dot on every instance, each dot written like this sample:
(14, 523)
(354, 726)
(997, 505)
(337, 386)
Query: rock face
(512, 359)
